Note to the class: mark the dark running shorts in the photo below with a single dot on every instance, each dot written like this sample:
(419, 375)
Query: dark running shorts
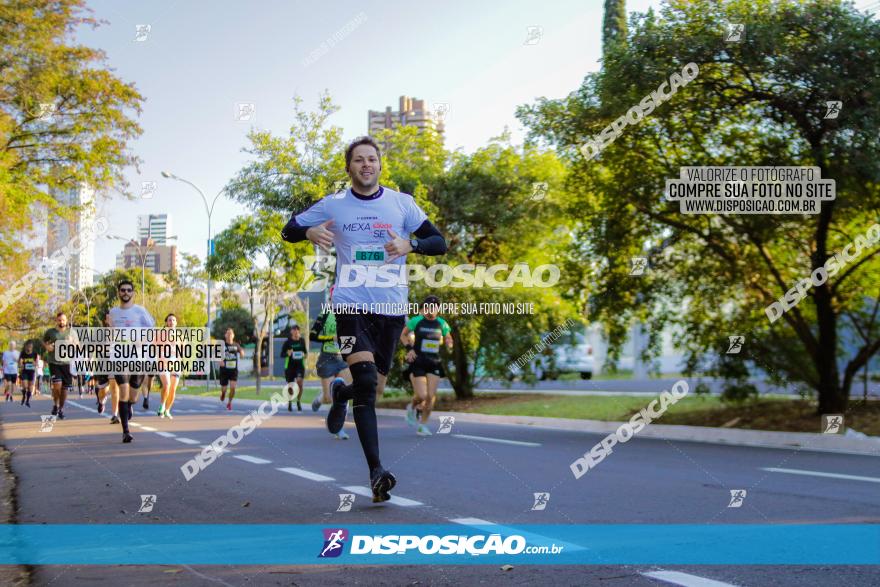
(374, 333)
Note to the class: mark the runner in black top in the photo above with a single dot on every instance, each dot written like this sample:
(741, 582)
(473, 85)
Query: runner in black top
(28, 369)
(295, 352)
(430, 332)
(232, 351)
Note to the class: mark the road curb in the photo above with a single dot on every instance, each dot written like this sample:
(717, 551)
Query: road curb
(834, 443)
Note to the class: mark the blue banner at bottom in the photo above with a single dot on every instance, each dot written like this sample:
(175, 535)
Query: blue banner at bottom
(453, 544)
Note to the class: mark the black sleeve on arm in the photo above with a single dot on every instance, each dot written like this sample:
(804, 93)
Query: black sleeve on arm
(293, 232)
(431, 242)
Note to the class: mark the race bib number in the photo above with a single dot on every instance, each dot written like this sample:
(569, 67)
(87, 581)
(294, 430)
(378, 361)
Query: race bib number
(231, 364)
(368, 254)
(297, 355)
(430, 345)
(28, 366)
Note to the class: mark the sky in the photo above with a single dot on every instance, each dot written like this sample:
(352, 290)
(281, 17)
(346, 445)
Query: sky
(200, 59)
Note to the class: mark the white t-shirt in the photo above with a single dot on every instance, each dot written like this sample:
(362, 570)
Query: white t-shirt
(10, 362)
(360, 228)
(132, 317)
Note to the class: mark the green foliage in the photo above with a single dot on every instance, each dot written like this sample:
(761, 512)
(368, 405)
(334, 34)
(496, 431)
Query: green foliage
(759, 102)
(240, 320)
(85, 141)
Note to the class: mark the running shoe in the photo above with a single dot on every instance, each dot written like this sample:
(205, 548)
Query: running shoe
(126, 437)
(410, 416)
(423, 430)
(161, 412)
(100, 408)
(229, 406)
(316, 403)
(60, 414)
(54, 410)
(341, 435)
(28, 403)
(114, 419)
(289, 406)
(146, 403)
(381, 482)
(338, 409)
(168, 415)
(299, 406)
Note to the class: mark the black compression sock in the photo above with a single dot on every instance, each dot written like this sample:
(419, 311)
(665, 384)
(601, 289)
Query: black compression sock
(365, 380)
(130, 409)
(123, 417)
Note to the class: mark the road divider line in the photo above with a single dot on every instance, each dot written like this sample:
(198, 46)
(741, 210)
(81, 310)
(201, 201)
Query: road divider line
(135, 424)
(148, 428)
(822, 474)
(305, 474)
(187, 440)
(497, 440)
(367, 492)
(254, 460)
(166, 434)
(685, 579)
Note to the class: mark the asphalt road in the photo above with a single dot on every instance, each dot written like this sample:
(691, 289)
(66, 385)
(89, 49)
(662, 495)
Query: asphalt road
(290, 471)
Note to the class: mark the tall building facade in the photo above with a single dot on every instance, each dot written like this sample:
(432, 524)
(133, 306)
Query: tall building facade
(410, 112)
(154, 226)
(148, 253)
(73, 269)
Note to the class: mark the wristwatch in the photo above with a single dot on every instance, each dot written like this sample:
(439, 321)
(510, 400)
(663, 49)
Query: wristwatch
(414, 243)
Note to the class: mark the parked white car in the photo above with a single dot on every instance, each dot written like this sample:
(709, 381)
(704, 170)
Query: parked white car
(570, 353)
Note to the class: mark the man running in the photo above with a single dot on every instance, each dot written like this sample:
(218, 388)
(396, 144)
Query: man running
(61, 378)
(295, 353)
(365, 223)
(330, 364)
(128, 315)
(27, 362)
(426, 370)
(10, 371)
(232, 351)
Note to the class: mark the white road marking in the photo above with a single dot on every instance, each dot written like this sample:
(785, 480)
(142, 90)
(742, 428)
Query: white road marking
(135, 424)
(485, 524)
(498, 440)
(254, 460)
(187, 440)
(305, 474)
(685, 579)
(148, 428)
(166, 434)
(367, 492)
(822, 474)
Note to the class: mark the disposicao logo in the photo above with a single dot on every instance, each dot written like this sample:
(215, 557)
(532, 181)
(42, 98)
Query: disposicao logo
(334, 542)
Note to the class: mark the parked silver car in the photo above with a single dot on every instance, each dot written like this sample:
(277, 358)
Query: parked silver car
(570, 353)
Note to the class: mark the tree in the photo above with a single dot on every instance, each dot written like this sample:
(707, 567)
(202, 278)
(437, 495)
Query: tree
(65, 120)
(614, 23)
(759, 102)
(493, 207)
(251, 253)
(240, 320)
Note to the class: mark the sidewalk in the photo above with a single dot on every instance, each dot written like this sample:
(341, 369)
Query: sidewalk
(834, 443)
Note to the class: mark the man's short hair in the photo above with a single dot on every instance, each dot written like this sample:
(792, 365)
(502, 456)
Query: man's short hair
(295, 327)
(124, 282)
(357, 143)
(61, 313)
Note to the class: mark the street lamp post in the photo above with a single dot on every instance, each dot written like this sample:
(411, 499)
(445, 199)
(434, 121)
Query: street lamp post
(209, 210)
(142, 255)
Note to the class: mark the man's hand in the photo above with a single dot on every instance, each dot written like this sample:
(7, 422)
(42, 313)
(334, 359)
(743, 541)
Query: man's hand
(320, 235)
(397, 247)
(410, 356)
